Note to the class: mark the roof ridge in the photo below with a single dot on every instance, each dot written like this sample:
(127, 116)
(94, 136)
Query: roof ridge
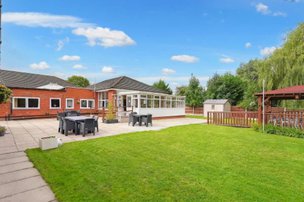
(118, 81)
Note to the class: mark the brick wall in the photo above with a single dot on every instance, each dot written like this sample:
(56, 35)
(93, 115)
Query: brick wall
(45, 95)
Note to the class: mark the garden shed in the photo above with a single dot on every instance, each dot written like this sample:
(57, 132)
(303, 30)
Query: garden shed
(216, 105)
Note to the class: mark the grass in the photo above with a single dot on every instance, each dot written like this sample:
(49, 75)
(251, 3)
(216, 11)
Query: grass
(195, 116)
(185, 163)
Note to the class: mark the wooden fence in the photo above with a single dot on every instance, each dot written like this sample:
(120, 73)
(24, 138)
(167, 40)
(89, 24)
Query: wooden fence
(293, 119)
(237, 119)
(194, 110)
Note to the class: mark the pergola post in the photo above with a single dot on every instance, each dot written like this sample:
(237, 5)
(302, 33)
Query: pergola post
(260, 110)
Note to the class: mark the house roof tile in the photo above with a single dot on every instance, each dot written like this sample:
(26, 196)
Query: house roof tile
(13, 79)
(125, 83)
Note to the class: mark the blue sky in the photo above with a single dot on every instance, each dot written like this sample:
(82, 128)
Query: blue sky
(146, 40)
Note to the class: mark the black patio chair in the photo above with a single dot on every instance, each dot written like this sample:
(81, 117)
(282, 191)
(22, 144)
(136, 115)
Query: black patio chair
(60, 127)
(60, 114)
(68, 126)
(96, 122)
(147, 119)
(88, 126)
(131, 117)
(72, 113)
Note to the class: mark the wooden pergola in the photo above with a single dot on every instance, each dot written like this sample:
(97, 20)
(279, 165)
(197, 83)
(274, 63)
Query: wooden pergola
(288, 93)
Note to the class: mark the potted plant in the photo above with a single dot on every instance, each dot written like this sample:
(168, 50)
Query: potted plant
(2, 130)
(110, 116)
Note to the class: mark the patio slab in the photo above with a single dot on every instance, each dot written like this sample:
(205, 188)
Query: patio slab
(24, 134)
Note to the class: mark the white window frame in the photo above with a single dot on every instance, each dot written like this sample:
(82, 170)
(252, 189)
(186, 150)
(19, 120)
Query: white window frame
(102, 100)
(54, 98)
(66, 103)
(87, 101)
(26, 103)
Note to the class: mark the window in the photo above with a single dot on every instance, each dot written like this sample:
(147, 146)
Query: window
(212, 107)
(69, 103)
(103, 100)
(168, 102)
(26, 103)
(135, 101)
(150, 101)
(163, 102)
(174, 105)
(156, 101)
(87, 104)
(180, 102)
(129, 99)
(55, 103)
(143, 101)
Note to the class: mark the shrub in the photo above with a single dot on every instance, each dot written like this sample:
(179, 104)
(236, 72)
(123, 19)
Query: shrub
(110, 114)
(278, 130)
(5, 93)
(2, 129)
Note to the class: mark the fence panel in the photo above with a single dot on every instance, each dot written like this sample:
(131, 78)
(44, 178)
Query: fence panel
(292, 119)
(237, 119)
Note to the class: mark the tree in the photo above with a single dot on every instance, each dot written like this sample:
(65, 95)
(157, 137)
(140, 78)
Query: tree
(181, 90)
(283, 68)
(226, 86)
(79, 81)
(194, 93)
(162, 85)
(249, 73)
(5, 94)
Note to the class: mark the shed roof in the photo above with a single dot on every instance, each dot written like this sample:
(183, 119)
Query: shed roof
(125, 83)
(13, 79)
(216, 101)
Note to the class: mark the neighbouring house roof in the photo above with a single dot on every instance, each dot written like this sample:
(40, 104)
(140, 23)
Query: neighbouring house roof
(285, 91)
(13, 79)
(216, 101)
(125, 83)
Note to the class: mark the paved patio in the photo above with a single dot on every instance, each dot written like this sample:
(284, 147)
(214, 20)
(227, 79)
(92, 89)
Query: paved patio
(20, 181)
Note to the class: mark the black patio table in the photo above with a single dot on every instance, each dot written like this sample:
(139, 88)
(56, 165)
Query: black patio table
(139, 118)
(77, 120)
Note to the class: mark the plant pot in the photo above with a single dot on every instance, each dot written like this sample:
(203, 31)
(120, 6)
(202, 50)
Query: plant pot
(111, 121)
(50, 142)
(2, 133)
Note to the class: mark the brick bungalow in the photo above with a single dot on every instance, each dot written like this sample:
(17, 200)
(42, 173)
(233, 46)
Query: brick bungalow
(36, 95)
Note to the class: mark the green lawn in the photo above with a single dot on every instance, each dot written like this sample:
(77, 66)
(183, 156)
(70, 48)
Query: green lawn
(185, 163)
(195, 116)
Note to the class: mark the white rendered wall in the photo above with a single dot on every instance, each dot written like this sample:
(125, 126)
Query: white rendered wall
(161, 112)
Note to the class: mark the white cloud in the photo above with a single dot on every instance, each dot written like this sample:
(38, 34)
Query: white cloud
(32, 19)
(79, 66)
(61, 43)
(184, 58)
(104, 36)
(262, 8)
(268, 51)
(226, 60)
(279, 13)
(167, 71)
(40, 66)
(107, 70)
(94, 34)
(248, 45)
(70, 58)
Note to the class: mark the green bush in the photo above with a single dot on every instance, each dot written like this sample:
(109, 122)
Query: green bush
(278, 130)
(2, 129)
